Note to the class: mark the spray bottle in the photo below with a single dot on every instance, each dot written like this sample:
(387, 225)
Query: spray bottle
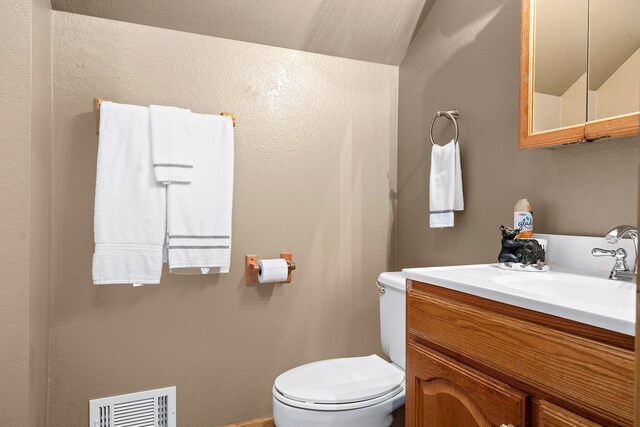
(523, 219)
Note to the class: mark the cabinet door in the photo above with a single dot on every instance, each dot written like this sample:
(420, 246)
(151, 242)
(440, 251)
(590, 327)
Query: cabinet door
(442, 392)
(549, 415)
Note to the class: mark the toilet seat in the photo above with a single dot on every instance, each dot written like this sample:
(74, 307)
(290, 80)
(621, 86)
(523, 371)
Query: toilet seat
(339, 384)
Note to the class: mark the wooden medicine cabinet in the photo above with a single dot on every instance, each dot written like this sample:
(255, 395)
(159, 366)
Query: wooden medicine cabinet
(579, 71)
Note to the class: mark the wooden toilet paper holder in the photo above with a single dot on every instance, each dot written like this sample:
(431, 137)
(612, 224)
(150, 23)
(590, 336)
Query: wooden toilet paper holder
(252, 269)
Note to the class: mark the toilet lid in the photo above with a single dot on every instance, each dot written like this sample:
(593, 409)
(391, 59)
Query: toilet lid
(345, 380)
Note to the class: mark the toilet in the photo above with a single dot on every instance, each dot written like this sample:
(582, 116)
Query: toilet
(352, 391)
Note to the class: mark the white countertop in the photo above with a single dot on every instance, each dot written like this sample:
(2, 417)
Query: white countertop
(604, 303)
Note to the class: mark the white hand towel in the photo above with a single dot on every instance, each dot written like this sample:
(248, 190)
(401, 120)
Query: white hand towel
(171, 142)
(199, 213)
(445, 185)
(129, 216)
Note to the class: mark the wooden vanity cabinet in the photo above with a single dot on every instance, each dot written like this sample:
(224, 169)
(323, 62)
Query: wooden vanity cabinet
(446, 393)
(476, 362)
(547, 414)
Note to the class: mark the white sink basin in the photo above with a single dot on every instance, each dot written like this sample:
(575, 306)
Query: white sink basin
(605, 303)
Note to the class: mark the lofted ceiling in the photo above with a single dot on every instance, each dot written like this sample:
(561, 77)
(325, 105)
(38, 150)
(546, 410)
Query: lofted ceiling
(369, 30)
(615, 36)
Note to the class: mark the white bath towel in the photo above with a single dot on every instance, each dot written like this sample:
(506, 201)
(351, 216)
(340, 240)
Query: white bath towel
(199, 213)
(445, 185)
(171, 144)
(129, 216)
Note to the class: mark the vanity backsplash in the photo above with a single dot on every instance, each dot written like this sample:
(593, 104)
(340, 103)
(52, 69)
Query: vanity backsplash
(572, 254)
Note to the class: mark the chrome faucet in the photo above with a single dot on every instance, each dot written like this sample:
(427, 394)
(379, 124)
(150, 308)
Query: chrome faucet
(620, 270)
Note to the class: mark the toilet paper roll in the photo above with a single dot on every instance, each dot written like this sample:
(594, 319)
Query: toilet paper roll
(273, 270)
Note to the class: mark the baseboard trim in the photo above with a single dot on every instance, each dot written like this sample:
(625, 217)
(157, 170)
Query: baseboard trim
(258, 422)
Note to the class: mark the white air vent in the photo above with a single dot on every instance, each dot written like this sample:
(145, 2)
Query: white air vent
(152, 408)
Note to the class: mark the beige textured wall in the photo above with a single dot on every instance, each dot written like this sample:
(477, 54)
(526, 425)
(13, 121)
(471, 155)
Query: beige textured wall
(315, 167)
(15, 137)
(466, 57)
(40, 213)
(574, 102)
(553, 112)
(547, 112)
(25, 190)
(619, 94)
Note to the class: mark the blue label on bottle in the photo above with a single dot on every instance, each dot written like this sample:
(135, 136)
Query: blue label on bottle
(523, 221)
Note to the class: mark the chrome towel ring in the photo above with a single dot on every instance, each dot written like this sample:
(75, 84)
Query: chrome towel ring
(451, 115)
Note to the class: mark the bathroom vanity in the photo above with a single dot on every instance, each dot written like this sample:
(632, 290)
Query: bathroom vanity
(482, 353)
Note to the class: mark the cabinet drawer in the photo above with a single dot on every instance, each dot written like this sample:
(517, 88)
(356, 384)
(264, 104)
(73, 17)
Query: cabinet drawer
(549, 415)
(446, 393)
(582, 372)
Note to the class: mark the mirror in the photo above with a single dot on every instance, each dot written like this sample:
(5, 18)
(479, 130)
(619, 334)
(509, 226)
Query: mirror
(579, 71)
(560, 33)
(614, 58)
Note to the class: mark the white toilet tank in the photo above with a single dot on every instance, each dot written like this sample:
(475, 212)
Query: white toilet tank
(392, 316)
